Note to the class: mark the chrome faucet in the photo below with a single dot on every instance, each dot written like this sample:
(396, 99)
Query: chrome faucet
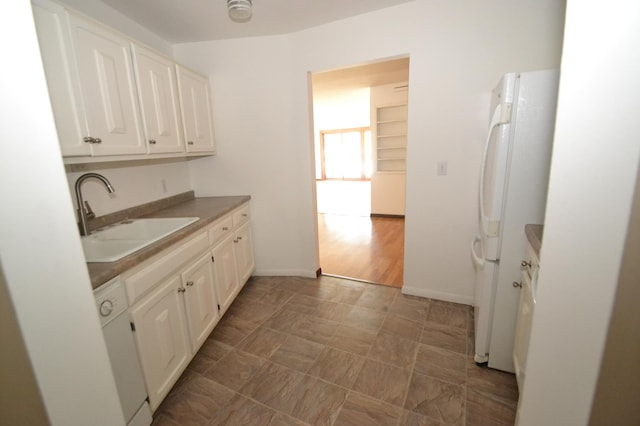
(88, 214)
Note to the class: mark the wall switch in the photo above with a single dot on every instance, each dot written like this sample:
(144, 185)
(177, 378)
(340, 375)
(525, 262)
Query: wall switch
(164, 186)
(442, 168)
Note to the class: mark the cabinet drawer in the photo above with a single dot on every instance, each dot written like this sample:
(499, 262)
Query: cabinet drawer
(219, 230)
(147, 276)
(241, 215)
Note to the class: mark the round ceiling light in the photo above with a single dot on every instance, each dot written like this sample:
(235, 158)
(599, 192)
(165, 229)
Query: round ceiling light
(239, 10)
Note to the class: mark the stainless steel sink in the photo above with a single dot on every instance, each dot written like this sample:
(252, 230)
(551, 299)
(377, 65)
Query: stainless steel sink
(117, 241)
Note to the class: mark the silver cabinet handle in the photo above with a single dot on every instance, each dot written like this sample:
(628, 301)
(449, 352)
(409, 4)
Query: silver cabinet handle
(239, 238)
(516, 284)
(89, 139)
(190, 142)
(152, 141)
(181, 290)
(244, 214)
(189, 283)
(225, 228)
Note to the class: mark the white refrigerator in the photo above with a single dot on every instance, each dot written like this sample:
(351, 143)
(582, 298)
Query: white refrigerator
(512, 193)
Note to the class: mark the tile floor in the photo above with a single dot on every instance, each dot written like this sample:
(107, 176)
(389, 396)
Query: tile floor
(298, 351)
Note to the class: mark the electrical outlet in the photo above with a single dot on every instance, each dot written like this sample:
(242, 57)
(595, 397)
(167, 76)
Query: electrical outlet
(442, 168)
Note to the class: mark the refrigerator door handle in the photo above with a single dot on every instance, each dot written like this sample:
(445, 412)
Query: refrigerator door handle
(477, 260)
(499, 117)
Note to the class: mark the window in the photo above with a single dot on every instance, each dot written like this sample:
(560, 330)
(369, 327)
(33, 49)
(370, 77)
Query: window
(346, 154)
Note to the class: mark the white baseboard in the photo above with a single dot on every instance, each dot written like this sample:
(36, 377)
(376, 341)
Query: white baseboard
(439, 295)
(284, 273)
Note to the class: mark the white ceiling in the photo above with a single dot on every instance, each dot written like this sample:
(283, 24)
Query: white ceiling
(198, 20)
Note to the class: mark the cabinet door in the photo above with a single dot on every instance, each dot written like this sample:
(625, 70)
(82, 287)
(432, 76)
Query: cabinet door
(200, 301)
(161, 337)
(62, 77)
(158, 94)
(195, 104)
(225, 273)
(108, 89)
(244, 252)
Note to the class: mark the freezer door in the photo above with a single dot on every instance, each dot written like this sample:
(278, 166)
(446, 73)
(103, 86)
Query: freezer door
(483, 309)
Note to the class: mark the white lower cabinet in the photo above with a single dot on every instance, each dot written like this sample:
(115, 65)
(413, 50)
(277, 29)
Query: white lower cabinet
(225, 272)
(161, 338)
(178, 296)
(200, 300)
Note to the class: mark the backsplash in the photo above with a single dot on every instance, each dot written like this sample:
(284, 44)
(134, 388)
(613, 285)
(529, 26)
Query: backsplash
(135, 183)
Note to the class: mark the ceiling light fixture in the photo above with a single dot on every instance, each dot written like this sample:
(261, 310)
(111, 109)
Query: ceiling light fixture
(239, 10)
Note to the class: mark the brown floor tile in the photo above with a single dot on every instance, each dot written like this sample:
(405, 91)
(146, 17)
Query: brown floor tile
(442, 364)
(442, 336)
(359, 410)
(378, 298)
(402, 327)
(336, 366)
(410, 307)
(446, 315)
(332, 311)
(342, 294)
(297, 353)
(318, 402)
(284, 320)
(200, 399)
(214, 349)
(275, 386)
(232, 330)
(243, 411)
(409, 418)
(383, 382)
(352, 339)
(394, 350)
(493, 382)
(235, 369)
(250, 311)
(163, 420)
(483, 409)
(283, 420)
(314, 329)
(263, 342)
(436, 399)
(201, 363)
(368, 319)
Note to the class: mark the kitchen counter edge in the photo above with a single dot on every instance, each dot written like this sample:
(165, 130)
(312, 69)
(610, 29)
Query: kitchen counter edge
(208, 209)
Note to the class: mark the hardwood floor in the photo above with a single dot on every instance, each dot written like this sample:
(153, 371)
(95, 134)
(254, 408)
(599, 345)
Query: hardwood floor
(362, 247)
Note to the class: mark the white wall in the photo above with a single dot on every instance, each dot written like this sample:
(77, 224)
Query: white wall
(261, 101)
(40, 252)
(134, 183)
(593, 171)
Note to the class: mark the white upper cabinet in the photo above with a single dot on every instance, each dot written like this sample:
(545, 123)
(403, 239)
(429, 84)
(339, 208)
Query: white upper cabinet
(108, 90)
(195, 104)
(158, 95)
(113, 99)
(62, 77)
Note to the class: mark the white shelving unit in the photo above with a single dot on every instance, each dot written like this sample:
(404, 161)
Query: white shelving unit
(391, 138)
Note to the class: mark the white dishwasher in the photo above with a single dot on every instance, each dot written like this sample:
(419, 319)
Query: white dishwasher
(112, 308)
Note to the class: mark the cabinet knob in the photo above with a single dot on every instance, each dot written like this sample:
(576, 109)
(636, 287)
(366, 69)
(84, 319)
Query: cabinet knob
(181, 290)
(244, 214)
(516, 284)
(524, 265)
(152, 141)
(190, 142)
(189, 283)
(225, 228)
(239, 238)
(89, 139)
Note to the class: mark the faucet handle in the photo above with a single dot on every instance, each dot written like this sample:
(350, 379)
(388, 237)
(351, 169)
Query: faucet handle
(88, 212)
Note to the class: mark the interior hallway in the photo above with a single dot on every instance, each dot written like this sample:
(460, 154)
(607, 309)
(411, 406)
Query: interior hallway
(362, 247)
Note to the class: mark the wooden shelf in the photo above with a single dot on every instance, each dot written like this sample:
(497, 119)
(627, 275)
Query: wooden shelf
(391, 138)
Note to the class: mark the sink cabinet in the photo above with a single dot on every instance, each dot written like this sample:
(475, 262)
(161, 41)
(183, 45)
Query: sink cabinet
(177, 297)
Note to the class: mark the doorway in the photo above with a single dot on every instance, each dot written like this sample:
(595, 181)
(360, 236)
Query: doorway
(360, 120)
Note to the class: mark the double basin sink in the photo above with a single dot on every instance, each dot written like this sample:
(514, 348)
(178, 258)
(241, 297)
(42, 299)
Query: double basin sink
(117, 241)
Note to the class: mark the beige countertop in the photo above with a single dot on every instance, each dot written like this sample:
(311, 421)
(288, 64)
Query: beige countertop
(534, 236)
(208, 209)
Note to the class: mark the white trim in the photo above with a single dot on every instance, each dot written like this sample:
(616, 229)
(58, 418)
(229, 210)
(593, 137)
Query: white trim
(438, 295)
(284, 273)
